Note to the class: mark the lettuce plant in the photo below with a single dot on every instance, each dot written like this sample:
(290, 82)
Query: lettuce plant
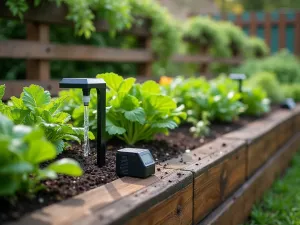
(256, 101)
(35, 106)
(137, 112)
(23, 149)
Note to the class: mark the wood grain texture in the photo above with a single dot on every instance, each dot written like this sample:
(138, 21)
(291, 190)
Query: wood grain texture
(169, 201)
(37, 50)
(236, 209)
(37, 69)
(84, 205)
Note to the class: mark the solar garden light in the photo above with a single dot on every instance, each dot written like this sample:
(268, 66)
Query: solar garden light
(239, 78)
(134, 162)
(86, 84)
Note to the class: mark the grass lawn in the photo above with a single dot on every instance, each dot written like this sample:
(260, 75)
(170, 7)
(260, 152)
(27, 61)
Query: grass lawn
(280, 205)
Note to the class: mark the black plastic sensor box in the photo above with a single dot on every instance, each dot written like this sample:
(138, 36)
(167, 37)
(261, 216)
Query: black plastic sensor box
(134, 162)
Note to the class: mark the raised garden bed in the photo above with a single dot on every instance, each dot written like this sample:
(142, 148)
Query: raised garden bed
(186, 189)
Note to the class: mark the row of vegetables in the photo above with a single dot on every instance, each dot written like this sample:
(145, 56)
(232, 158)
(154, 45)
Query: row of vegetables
(35, 128)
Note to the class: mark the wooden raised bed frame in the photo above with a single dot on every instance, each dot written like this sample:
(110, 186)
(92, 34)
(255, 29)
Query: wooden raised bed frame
(217, 184)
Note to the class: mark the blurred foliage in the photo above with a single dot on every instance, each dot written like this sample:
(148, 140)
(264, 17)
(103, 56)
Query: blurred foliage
(292, 91)
(221, 39)
(269, 83)
(284, 64)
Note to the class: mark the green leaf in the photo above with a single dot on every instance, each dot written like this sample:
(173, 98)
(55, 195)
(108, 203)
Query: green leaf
(113, 129)
(2, 91)
(162, 103)
(17, 102)
(126, 85)
(168, 123)
(6, 126)
(66, 166)
(71, 137)
(151, 87)
(46, 174)
(40, 151)
(113, 81)
(8, 185)
(59, 145)
(16, 168)
(35, 96)
(20, 131)
(136, 115)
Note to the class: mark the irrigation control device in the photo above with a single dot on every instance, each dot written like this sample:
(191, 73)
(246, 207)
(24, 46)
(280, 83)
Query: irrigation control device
(288, 103)
(134, 162)
(86, 84)
(239, 77)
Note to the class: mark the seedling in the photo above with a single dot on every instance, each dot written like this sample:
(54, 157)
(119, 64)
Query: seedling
(239, 78)
(135, 162)
(86, 84)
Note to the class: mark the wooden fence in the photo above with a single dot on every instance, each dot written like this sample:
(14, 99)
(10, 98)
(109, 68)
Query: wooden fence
(279, 29)
(38, 51)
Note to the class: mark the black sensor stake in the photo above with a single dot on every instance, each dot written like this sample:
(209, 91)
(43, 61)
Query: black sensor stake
(86, 84)
(134, 162)
(239, 78)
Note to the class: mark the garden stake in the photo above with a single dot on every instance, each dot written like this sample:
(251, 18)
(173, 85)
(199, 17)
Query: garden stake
(239, 78)
(86, 84)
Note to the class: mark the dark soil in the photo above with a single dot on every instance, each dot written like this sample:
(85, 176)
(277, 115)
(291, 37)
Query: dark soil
(162, 148)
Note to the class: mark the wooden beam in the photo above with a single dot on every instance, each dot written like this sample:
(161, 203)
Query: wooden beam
(267, 28)
(49, 13)
(205, 59)
(145, 69)
(37, 69)
(253, 24)
(37, 50)
(281, 30)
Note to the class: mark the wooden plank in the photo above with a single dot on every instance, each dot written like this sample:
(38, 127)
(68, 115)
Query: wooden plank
(15, 87)
(84, 205)
(37, 69)
(36, 50)
(219, 168)
(267, 28)
(167, 202)
(205, 59)
(236, 209)
(281, 30)
(297, 34)
(253, 24)
(49, 13)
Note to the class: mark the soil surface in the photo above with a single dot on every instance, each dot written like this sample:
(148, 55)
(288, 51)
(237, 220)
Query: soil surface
(162, 148)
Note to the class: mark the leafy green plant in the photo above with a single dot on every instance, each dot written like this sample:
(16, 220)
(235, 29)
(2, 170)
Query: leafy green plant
(23, 149)
(201, 127)
(283, 64)
(137, 112)
(35, 106)
(268, 82)
(204, 33)
(218, 97)
(256, 101)
(83, 12)
(291, 91)
(257, 47)
(237, 39)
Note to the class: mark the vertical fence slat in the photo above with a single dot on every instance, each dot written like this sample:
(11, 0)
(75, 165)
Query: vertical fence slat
(37, 69)
(281, 30)
(297, 34)
(253, 24)
(145, 69)
(267, 29)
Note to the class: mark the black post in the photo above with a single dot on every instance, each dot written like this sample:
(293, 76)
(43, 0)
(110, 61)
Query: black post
(101, 123)
(240, 85)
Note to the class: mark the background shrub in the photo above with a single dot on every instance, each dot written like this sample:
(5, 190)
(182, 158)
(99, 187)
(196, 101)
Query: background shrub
(268, 82)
